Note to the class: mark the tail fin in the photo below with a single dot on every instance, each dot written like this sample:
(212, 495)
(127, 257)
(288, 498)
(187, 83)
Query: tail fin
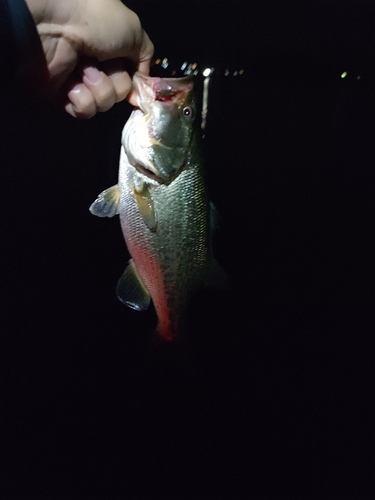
(168, 326)
(165, 332)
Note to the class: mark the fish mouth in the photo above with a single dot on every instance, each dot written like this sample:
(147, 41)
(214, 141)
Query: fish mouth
(149, 173)
(142, 169)
(164, 90)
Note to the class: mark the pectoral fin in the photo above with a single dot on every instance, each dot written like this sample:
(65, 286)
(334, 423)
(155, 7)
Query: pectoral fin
(146, 206)
(107, 204)
(131, 291)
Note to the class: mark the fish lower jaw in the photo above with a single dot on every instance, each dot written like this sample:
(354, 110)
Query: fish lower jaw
(146, 171)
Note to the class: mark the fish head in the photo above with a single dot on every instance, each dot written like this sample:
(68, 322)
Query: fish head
(159, 135)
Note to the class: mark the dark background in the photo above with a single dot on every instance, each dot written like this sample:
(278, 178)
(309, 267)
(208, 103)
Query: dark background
(270, 393)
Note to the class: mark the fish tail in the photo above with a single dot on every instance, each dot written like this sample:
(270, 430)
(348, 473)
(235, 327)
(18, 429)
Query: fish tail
(166, 331)
(170, 321)
(168, 326)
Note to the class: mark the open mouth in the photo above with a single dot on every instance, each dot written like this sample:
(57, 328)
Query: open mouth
(158, 89)
(148, 173)
(165, 97)
(159, 93)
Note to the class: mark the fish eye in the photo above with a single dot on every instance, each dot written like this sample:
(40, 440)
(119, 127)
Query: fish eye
(188, 112)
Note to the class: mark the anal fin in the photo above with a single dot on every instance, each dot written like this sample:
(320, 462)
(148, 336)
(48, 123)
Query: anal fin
(131, 291)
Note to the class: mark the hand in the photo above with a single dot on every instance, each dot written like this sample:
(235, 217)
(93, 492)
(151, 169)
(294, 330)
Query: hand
(88, 45)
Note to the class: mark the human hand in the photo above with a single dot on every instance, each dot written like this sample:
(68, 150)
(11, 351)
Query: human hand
(89, 46)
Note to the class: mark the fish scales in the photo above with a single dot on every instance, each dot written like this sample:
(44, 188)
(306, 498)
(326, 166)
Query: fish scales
(171, 261)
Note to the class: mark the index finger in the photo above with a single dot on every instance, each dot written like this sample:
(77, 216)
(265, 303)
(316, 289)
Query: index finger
(119, 35)
(146, 52)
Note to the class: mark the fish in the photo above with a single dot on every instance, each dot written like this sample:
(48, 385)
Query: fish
(161, 198)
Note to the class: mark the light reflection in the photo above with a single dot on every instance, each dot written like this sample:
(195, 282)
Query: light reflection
(193, 68)
(206, 73)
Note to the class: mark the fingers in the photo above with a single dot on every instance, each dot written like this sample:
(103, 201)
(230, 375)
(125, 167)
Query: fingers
(101, 78)
(122, 35)
(98, 91)
(81, 102)
(132, 98)
(119, 76)
(122, 84)
(101, 87)
(145, 54)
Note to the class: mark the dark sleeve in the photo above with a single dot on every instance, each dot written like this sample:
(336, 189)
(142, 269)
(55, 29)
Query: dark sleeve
(8, 51)
(21, 55)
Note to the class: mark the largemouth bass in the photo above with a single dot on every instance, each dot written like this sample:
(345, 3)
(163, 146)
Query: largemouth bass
(162, 201)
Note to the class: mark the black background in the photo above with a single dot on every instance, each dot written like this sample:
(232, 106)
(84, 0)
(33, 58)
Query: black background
(270, 393)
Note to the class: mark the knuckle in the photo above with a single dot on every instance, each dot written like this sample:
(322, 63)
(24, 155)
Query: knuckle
(87, 108)
(105, 106)
(122, 85)
(104, 97)
(83, 102)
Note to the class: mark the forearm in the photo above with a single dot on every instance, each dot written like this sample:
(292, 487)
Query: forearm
(8, 43)
(21, 20)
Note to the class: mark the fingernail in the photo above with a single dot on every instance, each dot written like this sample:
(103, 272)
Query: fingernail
(76, 88)
(92, 74)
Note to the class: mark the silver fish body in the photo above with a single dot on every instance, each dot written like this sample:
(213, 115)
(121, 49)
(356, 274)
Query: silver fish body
(162, 202)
